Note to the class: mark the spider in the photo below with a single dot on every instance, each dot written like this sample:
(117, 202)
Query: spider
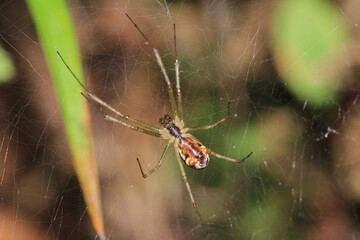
(187, 147)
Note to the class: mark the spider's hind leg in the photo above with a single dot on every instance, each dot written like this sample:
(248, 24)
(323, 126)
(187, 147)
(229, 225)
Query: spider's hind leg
(228, 158)
(188, 188)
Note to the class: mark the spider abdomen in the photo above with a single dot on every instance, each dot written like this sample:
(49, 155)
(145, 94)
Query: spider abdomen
(193, 153)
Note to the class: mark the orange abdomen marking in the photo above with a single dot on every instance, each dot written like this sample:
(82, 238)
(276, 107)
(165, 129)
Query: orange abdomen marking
(193, 153)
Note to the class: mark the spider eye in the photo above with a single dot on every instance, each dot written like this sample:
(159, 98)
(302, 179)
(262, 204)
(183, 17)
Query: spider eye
(164, 121)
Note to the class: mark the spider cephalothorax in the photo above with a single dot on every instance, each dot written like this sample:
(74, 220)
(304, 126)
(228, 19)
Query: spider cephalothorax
(169, 125)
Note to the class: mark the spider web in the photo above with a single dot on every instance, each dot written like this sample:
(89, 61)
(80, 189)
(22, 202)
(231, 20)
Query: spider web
(300, 183)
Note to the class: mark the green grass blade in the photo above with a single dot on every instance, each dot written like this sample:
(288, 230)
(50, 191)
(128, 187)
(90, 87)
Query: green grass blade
(56, 31)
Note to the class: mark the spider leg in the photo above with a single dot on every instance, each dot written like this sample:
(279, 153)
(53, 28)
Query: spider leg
(177, 73)
(162, 68)
(157, 165)
(188, 185)
(143, 130)
(112, 119)
(118, 114)
(227, 158)
(214, 124)
(104, 104)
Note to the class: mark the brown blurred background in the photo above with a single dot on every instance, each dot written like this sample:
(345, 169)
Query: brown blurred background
(302, 182)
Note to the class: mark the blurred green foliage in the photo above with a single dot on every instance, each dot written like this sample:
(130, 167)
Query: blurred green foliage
(7, 68)
(309, 37)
